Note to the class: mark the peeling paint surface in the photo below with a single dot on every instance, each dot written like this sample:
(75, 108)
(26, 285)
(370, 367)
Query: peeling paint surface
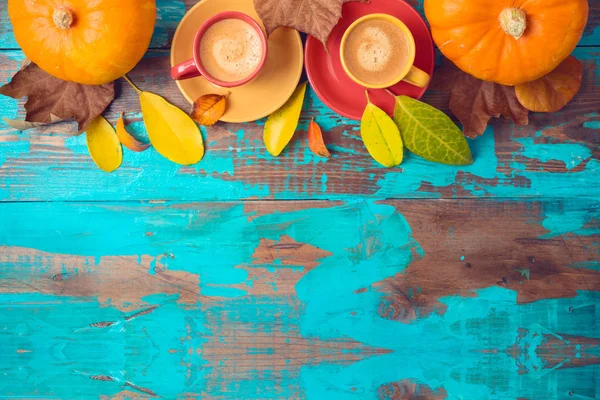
(298, 277)
(228, 287)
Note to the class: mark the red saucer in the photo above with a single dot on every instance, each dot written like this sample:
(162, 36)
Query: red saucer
(336, 89)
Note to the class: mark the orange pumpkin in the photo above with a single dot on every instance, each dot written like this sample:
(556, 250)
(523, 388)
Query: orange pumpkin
(84, 41)
(507, 41)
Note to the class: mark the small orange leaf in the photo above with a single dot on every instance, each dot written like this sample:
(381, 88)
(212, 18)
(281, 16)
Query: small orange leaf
(552, 92)
(315, 140)
(127, 140)
(209, 109)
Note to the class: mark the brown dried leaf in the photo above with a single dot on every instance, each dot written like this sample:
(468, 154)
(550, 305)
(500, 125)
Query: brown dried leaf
(474, 101)
(51, 100)
(552, 92)
(127, 139)
(209, 109)
(314, 17)
(315, 140)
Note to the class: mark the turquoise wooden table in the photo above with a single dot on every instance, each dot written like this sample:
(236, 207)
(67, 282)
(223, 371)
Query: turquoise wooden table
(252, 277)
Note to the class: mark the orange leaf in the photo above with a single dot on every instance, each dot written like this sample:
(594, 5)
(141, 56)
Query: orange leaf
(209, 109)
(127, 140)
(553, 91)
(315, 140)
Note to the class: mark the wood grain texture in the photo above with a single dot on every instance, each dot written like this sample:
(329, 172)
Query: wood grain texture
(555, 156)
(395, 299)
(422, 282)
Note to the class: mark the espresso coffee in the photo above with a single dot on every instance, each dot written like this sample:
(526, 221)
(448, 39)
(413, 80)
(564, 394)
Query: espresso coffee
(376, 51)
(231, 50)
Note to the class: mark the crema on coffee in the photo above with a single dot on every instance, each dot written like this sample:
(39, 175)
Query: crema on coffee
(231, 50)
(376, 51)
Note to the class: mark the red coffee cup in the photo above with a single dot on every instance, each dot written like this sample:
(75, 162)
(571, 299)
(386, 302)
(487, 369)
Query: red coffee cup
(193, 67)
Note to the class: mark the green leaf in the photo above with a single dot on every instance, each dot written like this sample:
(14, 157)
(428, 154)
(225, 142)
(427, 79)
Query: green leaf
(430, 133)
(381, 136)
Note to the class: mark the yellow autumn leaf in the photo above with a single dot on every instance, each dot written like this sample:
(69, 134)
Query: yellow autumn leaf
(281, 125)
(171, 131)
(381, 136)
(104, 145)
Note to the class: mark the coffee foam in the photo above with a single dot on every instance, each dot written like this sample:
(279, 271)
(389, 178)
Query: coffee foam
(376, 51)
(231, 50)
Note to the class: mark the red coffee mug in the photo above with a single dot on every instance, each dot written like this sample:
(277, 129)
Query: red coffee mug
(193, 68)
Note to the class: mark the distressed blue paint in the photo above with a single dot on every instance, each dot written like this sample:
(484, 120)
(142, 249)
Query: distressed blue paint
(592, 124)
(324, 180)
(462, 351)
(192, 238)
(569, 219)
(215, 177)
(19, 148)
(137, 129)
(539, 183)
(189, 236)
(124, 233)
(168, 15)
(592, 38)
(8, 106)
(416, 171)
(7, 37)
(393, 251)
(149, 176)
(570, 154)
(64, 351)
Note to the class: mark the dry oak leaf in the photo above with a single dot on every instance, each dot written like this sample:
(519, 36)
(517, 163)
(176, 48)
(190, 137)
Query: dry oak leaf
(51, 100)
(314, 17)
(474, 101)
(552, 92)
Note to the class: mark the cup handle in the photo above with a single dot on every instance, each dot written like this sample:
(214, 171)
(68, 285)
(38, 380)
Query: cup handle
(185, 70)
(417, 77)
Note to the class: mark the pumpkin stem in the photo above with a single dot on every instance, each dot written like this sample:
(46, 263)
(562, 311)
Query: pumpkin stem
(513, 21)
(63, 18)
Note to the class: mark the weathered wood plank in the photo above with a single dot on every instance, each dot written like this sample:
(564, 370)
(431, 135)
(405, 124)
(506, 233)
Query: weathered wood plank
(170, 13)
(555, 156)
(391, 300)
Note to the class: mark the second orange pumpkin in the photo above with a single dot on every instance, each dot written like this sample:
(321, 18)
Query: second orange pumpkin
(507, 41)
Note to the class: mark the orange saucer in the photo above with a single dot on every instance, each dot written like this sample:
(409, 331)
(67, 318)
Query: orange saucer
(265, 94)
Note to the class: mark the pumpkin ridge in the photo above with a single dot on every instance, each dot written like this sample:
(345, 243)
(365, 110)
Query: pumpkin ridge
(481, 46)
